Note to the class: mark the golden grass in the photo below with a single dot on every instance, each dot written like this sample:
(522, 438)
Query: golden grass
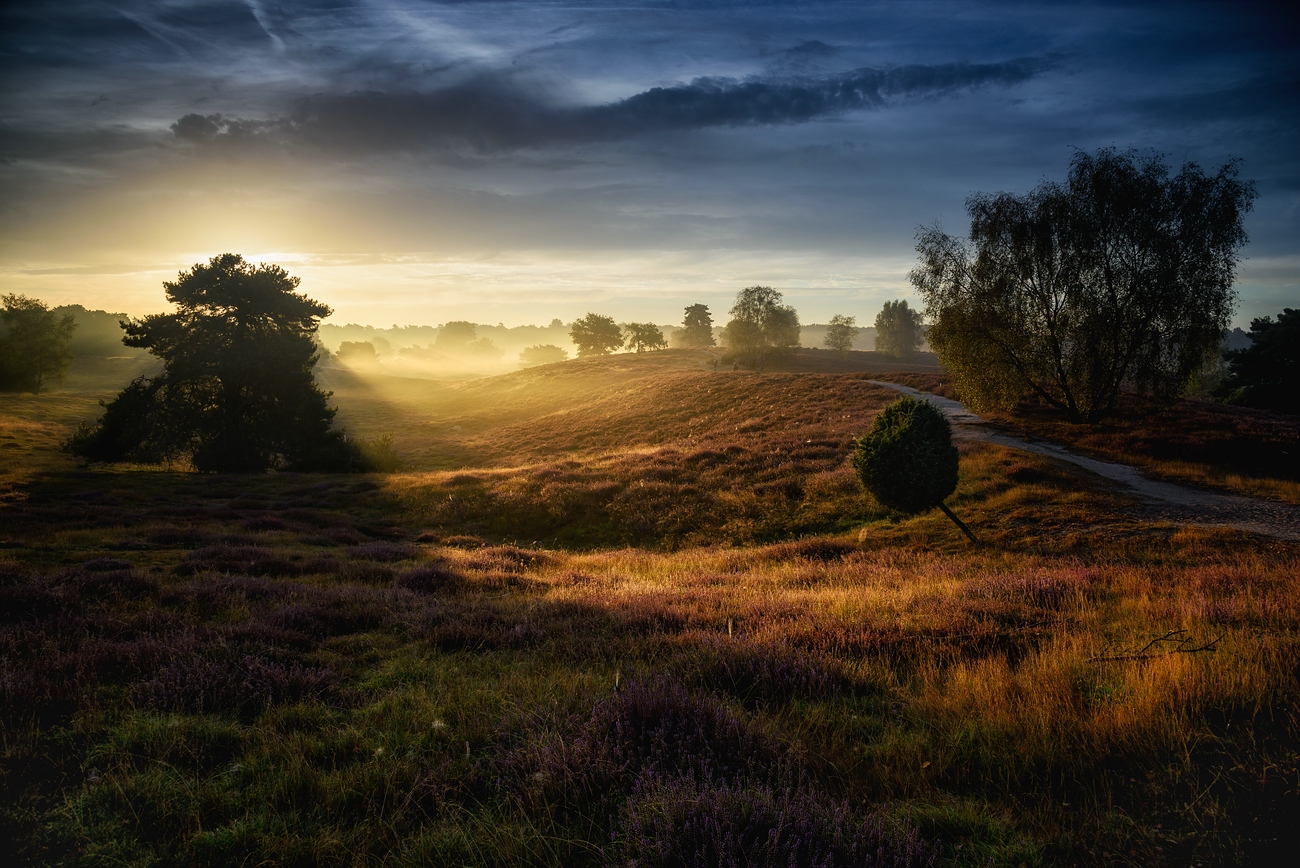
(1009, 698)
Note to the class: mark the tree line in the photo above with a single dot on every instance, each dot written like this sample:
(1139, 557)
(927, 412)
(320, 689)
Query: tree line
(762, 330)
(1119, 278)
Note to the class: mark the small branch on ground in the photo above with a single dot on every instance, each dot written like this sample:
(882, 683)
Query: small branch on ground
(957, 521)
(1183, 645)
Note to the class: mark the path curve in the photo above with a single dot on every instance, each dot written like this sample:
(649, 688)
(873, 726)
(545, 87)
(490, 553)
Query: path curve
(1164, 500)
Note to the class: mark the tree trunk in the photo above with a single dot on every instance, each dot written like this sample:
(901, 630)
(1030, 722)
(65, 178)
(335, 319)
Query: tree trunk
(957, 521)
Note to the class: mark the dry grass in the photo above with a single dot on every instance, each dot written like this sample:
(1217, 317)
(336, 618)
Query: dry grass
(293, 669)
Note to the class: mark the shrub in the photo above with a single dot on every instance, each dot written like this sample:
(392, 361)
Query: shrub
(386, 552)
(656, 727)
(427, 579)
(763, 672)
(239, 685)
(248, 560)
(907, 461)
(685, 824)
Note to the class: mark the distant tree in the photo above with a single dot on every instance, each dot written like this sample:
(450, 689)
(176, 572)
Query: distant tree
(595, 335)
(643, 336)
(761, 328)
(461, 337)
(841, 333)
(1266, 374)
(455, 335)
(907, 460)
(1120, 277)
(98, 332)
(236, 392)
(357, 351)
(898, 330)
(34, 344)
(697, 327)
(542, 354)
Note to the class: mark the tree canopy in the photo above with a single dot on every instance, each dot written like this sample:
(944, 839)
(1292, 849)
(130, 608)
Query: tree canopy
(34, 344)
(697, 327)
(908, 461)
(642, 336)
(236, 392)
(1121, 277)
(841, 333)
(1266, 375)
(898, 329)
(542, 354)
(761, 328)
(595, 335)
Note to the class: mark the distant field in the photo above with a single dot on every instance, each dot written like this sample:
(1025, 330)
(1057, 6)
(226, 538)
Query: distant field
(614, 609)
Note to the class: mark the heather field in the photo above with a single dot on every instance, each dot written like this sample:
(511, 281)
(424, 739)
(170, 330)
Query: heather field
(627, 611)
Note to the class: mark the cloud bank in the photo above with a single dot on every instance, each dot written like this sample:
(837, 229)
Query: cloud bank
(495, 113)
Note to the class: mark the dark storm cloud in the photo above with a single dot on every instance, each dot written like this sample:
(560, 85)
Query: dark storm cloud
(495, 113)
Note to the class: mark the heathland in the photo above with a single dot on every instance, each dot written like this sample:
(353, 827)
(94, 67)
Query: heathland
(628, 609)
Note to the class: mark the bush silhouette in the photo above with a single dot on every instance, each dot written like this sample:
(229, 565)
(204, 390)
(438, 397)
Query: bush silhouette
(907, 460)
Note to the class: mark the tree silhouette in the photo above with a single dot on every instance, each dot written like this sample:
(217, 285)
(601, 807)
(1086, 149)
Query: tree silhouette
(898, 329)
(642, 336)
(236, 392)
(595, 335)
(542, 354)
(697, 327)
(907, 460)
(841, 332)
(1266, 375)
(34, 344)
(1119, 278)
(761, 327)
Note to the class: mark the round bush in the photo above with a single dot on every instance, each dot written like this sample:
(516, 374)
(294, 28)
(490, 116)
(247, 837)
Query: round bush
(907, 460)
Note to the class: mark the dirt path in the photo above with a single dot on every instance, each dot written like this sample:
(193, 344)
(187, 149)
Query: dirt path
(1164, 500)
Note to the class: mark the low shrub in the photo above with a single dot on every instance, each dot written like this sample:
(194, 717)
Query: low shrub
(383, 551)
(760, 672)
(427, 578)
(247, 560)
(689, 824)
(233, 684)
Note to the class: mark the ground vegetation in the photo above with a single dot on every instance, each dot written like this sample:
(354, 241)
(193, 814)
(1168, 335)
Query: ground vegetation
(343, 670)
(1202, 443)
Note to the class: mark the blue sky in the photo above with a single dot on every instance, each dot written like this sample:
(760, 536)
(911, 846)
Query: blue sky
(416, 162)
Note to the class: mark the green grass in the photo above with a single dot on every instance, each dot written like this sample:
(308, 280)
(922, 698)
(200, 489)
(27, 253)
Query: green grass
(257, 683)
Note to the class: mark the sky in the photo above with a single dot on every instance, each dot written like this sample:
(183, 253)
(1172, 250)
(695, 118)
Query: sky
(417, 162)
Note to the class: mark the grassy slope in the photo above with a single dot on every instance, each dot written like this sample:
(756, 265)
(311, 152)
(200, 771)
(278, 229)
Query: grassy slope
(343, 670)
(1190, 441)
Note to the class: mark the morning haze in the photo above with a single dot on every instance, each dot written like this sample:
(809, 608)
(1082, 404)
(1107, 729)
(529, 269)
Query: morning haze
(659, 434)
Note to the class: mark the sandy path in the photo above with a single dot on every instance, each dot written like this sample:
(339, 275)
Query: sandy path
(1164, 500)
